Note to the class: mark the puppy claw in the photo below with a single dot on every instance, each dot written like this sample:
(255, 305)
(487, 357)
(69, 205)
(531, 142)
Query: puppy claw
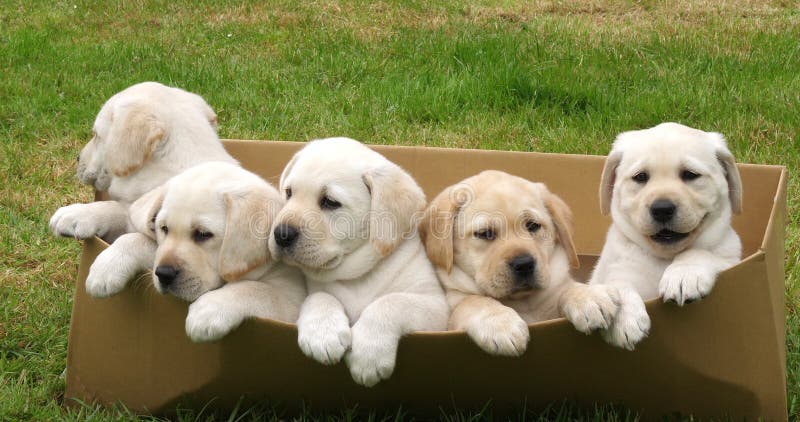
(591, 307)
(75, 221)
(683, 284)
(110, 272)
(372, 356)
(325, 340)
(210, 318)
(502, 334)
(628, 329)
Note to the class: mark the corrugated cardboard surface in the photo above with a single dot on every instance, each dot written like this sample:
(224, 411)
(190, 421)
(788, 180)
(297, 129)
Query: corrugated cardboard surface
(722, 356)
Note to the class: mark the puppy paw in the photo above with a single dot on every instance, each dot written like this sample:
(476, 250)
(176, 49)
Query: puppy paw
(502, 333)
(324, 339)
(110, 272)
(683, 284)
(76, 221)
(591, 307)
(211, 317)
(372, 355)
(628, 329)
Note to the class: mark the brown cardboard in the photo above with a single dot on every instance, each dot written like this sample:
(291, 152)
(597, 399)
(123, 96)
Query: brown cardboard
(725, 355)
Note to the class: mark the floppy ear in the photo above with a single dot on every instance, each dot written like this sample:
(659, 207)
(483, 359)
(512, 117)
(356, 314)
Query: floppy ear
(133, 137)
(436, 228)
(396, 198)
(287, 170)
(728, 164)
(142, 213)
(562, 219)
(607, 181)
(247, 226)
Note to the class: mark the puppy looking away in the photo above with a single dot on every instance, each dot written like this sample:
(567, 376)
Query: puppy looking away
(671, 191)
(502, 247)
(211, 223)
(141, 137)
(349, 225)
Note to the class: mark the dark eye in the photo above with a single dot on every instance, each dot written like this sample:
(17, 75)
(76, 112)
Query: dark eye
(533, 226)
(328, 203)
(487, 234)
(641, 177)
(688, 175)
(288, 193)
(164, 229)
(201, 236)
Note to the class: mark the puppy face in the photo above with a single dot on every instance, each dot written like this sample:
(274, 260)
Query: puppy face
(211, 223)
(667, 184)
(503, 231)
(342, 197)
(131, 126)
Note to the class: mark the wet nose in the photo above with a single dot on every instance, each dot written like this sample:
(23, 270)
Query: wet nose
(166, 274)
(285, 235)
(522, 266)
(662, 210)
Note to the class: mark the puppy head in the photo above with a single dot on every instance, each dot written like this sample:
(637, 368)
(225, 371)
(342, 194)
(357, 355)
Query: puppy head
(211, 227)
(342, 197)
(665, 185)
(132, 126)
(511, 236)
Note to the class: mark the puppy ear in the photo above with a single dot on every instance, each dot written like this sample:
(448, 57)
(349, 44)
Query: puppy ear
(133, 137)
(396, 198)
(562, 219)
(607, 181)
(247, 225)
(142, 213)
(728, 164)
(436, 227)
(287, 170)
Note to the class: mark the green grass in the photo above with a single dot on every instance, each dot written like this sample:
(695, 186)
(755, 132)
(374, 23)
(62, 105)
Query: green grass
(557, 77)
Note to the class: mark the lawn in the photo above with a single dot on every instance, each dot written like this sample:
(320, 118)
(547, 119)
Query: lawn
(562, 76)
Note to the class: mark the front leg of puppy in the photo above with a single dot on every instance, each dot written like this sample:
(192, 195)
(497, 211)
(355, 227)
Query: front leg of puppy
(216, 313)
(104, 219)
(589, 307)
(323, 328)
(692, 275)
(494, 327)
(112, 270)
(377, 332)
(631, 324)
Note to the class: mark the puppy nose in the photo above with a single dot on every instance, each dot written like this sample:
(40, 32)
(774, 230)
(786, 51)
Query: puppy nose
(166, 274)
(522, 266)
(662, 210)
(285, 235)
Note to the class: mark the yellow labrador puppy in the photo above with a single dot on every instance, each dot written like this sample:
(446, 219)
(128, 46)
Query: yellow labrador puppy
(349, 224)
(503, 249)
(211, 223)
(142, 136)
(671, 191)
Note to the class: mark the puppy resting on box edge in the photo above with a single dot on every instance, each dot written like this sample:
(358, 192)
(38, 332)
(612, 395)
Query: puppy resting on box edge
(142, 136)
(211, 223)
(349, 226)
(671, 191)
(502, 247)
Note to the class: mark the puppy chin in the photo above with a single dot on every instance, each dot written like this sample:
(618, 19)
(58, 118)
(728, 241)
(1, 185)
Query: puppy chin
(188, 290)
(314, 262)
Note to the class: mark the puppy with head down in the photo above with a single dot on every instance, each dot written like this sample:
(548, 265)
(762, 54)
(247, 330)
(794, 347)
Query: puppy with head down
(671, 191)
(503, 249)
(211, 223)
(141, 137)
(349, 225)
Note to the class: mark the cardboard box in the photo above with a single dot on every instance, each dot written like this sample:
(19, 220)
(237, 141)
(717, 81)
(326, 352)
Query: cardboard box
(725, 355)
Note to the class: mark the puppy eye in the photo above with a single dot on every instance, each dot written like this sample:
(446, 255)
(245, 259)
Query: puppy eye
(487, 234)
(533, 226)
(201, 236)
(164, 230)
(288, 193)
(641, 177)
(688, 175)
(328, 203)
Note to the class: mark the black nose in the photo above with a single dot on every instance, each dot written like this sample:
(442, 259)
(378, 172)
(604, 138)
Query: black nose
(166, 274)
(662, 210)
(522, 266)
(285, 235)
